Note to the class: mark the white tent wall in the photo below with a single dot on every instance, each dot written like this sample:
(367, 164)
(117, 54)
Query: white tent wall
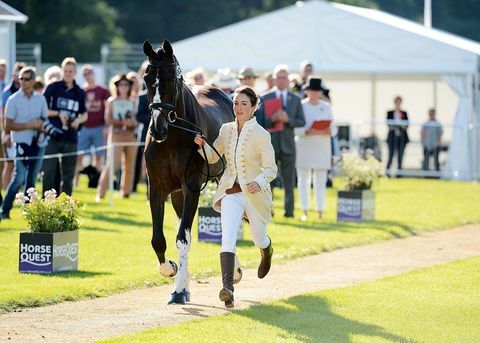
(377, 56)
(335, 37)
(352, 103)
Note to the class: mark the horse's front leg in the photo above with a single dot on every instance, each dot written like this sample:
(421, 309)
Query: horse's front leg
(184, 239)
(157, 199)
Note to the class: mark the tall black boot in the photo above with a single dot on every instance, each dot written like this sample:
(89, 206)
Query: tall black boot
(227, 263)
(266, 261)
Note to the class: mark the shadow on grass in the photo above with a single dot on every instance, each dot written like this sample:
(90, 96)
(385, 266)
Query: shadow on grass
(381, 225)
(96, 228)
(242, 243)
(310, 319)
(79, 274)
(112, 218)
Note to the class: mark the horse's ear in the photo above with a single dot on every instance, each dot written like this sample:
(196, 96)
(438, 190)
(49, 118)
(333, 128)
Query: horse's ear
(167, 47)
(148, 49)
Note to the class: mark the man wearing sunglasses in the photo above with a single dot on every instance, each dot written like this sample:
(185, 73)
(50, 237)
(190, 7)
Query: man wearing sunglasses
(24, 113)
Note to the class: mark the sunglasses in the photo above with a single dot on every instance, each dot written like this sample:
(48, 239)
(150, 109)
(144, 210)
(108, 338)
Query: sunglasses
(25, 78)
(123, 85)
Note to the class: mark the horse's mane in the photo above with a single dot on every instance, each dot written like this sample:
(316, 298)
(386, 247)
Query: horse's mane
(191, 105)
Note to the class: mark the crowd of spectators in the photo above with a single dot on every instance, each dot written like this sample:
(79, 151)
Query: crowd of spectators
(86, 118)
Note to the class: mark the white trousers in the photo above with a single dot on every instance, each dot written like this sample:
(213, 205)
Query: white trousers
(319, 187)
(233, 207)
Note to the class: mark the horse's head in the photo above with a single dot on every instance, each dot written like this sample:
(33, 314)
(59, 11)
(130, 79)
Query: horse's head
(163, 78)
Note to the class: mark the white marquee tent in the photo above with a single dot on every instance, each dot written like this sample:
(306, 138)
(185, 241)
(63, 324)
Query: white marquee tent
(8, 18)
(351, 43)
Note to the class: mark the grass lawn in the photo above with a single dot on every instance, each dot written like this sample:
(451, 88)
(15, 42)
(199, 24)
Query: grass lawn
(115, 253)
(439, 304)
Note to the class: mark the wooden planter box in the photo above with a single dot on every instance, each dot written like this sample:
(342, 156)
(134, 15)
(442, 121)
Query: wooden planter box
(44, 253)
(356, 205)
(210, 226)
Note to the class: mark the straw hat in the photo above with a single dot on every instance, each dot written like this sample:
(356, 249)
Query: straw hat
(224, 79)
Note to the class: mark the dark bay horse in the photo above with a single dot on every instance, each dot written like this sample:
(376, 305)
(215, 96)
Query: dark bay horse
(169, 150)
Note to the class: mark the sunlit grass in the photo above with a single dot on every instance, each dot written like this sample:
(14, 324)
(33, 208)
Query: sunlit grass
(115, 253)
(439, 304)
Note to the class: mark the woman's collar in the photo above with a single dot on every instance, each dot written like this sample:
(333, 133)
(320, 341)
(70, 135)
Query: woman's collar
(248, 122)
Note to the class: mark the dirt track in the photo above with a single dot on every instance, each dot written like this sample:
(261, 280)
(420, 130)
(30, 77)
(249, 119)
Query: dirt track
(90, 320)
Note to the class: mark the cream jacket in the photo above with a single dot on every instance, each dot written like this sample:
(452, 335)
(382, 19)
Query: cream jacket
(249, 157)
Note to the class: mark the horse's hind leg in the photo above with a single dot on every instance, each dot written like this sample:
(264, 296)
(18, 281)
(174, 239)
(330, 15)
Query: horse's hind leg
(157, 207)
(184, 237)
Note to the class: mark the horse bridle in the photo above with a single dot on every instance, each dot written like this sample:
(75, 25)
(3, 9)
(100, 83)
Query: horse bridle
(172, 117)
(157, 104)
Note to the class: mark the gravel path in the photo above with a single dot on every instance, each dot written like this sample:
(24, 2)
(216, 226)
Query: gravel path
(90, 320)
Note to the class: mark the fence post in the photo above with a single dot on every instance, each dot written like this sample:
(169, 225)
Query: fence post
(111, 149)
(105, 52)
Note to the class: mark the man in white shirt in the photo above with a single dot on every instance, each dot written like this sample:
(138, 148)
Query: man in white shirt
(24, 112)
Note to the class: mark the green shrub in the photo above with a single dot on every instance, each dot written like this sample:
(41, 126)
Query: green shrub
(50, 214)
(361, 173)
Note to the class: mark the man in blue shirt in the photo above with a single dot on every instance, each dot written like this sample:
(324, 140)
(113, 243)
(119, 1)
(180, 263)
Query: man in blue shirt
(9, 151)
(24, 112)
(66, 111)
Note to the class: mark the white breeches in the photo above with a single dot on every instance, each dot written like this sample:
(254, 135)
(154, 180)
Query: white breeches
(319, 187)
(233, 207)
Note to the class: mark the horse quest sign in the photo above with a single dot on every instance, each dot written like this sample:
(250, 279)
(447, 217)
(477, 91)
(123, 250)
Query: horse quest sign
(210, 226)
(44, 253)
(356, 205)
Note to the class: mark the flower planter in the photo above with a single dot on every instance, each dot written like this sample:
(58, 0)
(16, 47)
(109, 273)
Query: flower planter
(210, 226)
(45, 253)
(356, 205)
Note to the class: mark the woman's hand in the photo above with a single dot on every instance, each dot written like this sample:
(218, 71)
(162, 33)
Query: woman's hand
(253, 187)
(199, 140)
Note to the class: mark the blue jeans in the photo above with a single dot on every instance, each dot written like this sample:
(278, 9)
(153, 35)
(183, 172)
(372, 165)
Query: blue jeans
(24, 174)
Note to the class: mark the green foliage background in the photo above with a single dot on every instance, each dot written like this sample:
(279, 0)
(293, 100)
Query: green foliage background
(78, 28)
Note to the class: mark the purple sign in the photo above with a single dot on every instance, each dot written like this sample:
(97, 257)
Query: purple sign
(209, 225)
(356, 205)
(36, 253)
(44, 252)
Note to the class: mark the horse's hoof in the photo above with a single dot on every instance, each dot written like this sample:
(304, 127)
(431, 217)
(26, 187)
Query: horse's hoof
(237, 275)
(174, 267)
(187, 295)
(178, 298)
(168, 269)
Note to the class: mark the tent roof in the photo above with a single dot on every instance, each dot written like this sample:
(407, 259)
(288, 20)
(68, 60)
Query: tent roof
(335, 38)
(9, 13)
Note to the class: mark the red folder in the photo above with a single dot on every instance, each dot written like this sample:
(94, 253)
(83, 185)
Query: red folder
(272, 106)
(321, 124)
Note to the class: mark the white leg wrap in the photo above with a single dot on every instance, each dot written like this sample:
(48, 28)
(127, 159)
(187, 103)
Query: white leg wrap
(183, 278)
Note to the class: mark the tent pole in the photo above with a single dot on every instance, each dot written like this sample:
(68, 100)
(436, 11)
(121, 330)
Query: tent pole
(373, 102)
(476, 121)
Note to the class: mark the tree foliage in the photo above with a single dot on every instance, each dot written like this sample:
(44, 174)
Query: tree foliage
(68, 28)
(78, 28)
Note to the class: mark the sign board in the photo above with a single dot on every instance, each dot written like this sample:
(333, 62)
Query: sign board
(356, 205)
(210, 226)
(43, 252)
